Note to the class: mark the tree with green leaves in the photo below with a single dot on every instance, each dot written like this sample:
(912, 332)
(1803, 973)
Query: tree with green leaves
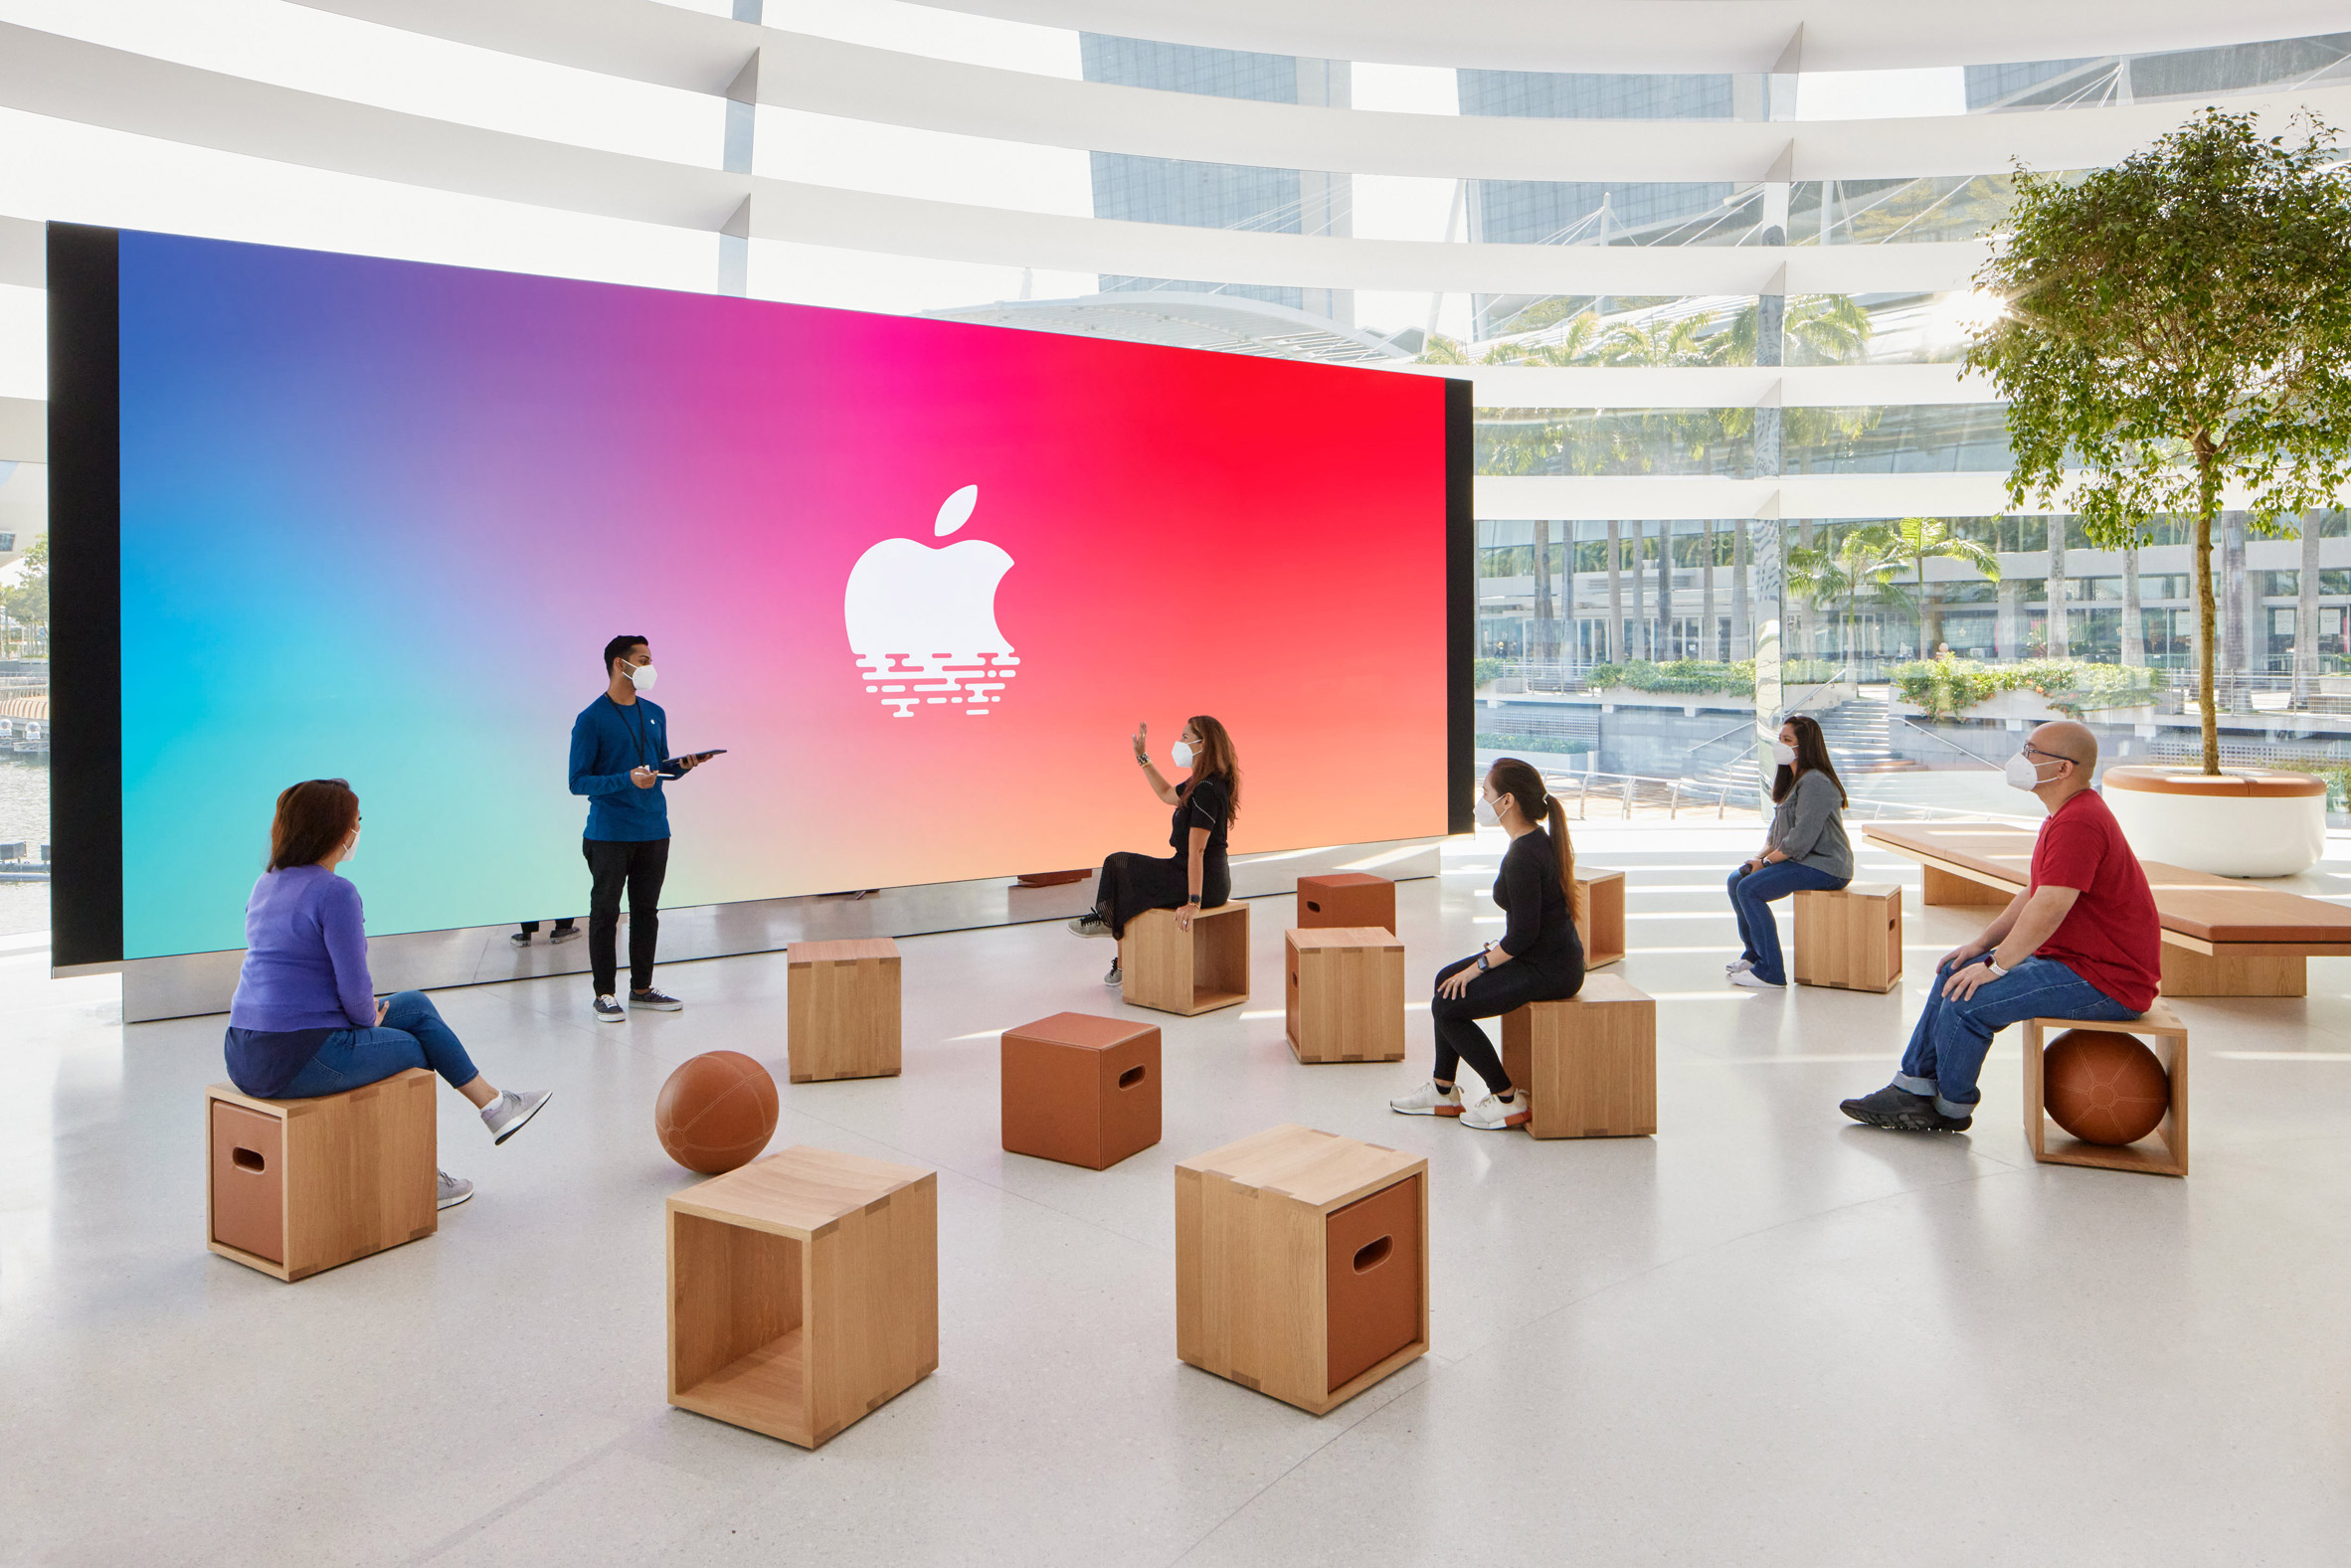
(1921, 539)
(2176, 325)
(1864, 559)
(26, 602)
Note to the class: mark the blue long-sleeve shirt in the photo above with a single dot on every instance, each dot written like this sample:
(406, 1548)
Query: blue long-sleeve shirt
(607, 741)
(305, 955)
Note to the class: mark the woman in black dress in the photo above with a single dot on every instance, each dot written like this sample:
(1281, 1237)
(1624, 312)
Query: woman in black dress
(1196, 876)
(1538, 958)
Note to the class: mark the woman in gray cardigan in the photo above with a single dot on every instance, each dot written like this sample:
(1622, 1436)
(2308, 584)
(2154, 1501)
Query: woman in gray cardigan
(1805, 850)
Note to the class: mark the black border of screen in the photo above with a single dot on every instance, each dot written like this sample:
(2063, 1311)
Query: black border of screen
(86, 587)
(85, 594)
(1461, 604)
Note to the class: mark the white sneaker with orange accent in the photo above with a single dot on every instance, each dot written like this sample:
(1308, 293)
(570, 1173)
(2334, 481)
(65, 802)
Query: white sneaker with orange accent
(1494, 1114)
(1430, 1101)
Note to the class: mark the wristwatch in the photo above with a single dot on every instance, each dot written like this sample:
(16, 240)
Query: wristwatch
(1194, 899)
(1993, 965)
(1484, 955)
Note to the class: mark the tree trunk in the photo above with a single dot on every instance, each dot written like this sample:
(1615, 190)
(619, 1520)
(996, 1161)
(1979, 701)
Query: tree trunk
(1706, 588)
(1615, 594)
(1664, 590)
(2306, 613)
(2208, 485)
(1640, 616)
(2134, 621)
(1742, 636)
(1545, 641)
(2060, 632)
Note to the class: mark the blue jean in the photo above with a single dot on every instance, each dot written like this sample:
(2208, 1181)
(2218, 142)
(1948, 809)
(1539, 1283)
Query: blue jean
(1948, 1045)
(411, 1035)
(1751, 896)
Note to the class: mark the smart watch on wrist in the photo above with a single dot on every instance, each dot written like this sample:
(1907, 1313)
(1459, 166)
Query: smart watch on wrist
(1194, 899)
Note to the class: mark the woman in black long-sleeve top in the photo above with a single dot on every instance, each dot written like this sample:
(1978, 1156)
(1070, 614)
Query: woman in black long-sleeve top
(1198, 875)
(1538, 958)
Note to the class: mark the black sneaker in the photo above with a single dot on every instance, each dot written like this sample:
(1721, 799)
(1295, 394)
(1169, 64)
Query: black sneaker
(1899, 1110)
(565, 934)
(610, 1011)
(522, 939)
(656, 1000)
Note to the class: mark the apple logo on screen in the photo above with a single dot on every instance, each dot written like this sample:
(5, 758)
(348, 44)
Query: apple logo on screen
(922, 621)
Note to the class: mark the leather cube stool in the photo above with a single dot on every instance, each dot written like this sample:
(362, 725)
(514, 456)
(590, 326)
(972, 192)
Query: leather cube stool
(1082, 1090)
(1347, 897)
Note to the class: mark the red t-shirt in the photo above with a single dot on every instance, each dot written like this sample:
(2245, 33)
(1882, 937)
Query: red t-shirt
(2111, 937)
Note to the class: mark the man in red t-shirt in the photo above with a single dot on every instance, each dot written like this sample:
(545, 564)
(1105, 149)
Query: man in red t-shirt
(2081, 941)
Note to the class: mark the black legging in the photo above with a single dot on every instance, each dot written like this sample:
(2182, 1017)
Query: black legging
(1132, 883)
(1490, 996)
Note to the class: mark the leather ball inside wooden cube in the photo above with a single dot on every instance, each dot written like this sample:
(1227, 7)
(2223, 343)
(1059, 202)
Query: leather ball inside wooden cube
(1081, 1090)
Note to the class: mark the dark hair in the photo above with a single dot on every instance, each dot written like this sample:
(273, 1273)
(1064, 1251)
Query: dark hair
(1524, 785)
(619, 649)
(313, 817)
(1812, 757)
(1215, 760)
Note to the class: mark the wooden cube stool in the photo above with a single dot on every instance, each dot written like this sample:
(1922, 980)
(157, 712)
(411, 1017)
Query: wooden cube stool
(301, 1186)
(1082, 1090)
(1347, 897)
(2162, 1027)
(842, 1009)
(1599, 917)
(804, 1292)
(1849, 938)
(1169, 972)
(1589, 1064)
(1302, 1264)
(1344, 997)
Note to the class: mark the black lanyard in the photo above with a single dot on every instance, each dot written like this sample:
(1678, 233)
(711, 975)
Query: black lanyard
(637, 726)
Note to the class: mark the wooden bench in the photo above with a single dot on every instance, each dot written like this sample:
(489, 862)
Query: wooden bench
(2220, 937)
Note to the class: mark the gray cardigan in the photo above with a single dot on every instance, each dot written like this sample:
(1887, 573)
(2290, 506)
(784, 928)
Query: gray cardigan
(1809, 828)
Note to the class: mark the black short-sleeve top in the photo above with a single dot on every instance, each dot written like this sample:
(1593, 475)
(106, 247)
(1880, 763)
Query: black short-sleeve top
(1206, 803)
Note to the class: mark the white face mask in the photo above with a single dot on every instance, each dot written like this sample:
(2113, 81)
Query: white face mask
(1487, 816)
(1783, 754)
(642, 676)
(354, 846)
(2023, 772)
(1181, 754)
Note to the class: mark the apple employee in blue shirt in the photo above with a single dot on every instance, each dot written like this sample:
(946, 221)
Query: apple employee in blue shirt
(619, 755)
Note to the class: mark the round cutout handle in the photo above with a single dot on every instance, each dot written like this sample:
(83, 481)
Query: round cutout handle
(1372, 1254)
(1130, 1078)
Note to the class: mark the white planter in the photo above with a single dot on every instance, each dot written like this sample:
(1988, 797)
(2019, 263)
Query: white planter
(2246, 822)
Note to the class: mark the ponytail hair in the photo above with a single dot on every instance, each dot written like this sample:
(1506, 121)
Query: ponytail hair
(1517, 779)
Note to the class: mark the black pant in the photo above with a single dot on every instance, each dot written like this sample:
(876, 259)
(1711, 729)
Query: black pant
(1130, 884)
(640, 864)
(530, 928)
(1490, 996)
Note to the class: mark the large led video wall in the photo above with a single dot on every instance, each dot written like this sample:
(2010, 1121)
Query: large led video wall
(920, 579)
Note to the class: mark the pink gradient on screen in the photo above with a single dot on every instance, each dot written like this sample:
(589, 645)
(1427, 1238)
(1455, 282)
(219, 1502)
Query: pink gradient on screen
(523, 467)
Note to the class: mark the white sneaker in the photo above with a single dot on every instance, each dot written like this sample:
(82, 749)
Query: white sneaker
(1114, 977)
(1738, 966)
(454, 1191)
(1754, 983)
(1494, 1114)
(1429, 1101)
(505, 1115)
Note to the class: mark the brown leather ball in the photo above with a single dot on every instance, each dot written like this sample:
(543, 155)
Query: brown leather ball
(2104, 1086)
(717, 1111)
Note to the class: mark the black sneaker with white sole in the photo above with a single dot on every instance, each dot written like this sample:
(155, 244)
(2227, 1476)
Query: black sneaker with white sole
(610, 1011)
(522, 939)
(1899, 1110)
(565, 934)
(655, 999)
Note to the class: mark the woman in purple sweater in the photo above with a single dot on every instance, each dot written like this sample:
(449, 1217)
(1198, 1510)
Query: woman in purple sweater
(306, 1020)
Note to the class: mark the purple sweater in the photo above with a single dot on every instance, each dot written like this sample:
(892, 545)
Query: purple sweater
(306, 958)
